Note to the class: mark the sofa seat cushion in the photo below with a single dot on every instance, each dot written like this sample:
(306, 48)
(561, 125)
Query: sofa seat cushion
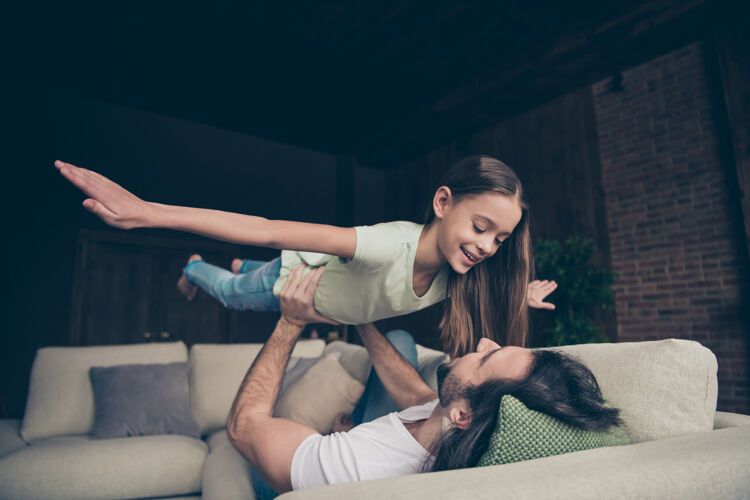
(80, 467)
(704, 465)
(10, 437)
(217, 439)
(226, 473)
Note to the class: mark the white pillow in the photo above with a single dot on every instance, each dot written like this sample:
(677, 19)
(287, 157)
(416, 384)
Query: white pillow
(323, 391)
(353, 358)
(663, 388)
(216, 372)
(357, 362)
(61, 399)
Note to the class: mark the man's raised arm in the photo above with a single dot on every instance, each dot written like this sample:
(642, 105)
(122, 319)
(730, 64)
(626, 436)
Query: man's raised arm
(269, 443)
(400, 379)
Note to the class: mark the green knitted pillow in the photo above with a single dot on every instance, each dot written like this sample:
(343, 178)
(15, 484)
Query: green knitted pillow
(523, 434)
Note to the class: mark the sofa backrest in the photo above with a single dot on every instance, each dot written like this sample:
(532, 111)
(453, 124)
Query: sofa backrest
(61, 398)
(216, 372)
(663, 388)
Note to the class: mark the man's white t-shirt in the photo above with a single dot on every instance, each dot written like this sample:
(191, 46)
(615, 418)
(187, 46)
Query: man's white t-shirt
(373, 450)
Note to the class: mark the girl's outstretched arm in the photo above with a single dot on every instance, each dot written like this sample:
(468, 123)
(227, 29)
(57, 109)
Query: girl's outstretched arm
(119, 207)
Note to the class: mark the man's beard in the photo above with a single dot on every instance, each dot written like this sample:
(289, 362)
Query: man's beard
(449, 387)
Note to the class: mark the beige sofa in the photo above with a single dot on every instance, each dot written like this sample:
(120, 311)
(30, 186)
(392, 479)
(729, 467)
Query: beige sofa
(667, 392)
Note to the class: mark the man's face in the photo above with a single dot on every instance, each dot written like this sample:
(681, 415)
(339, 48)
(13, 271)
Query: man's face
(489, 362)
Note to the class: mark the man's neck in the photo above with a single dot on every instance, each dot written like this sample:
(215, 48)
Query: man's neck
(427, 432)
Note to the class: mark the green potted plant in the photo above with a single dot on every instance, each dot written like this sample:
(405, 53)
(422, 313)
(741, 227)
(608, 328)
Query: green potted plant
(583, 288)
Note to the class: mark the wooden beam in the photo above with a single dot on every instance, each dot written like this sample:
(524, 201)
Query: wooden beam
(576, 60)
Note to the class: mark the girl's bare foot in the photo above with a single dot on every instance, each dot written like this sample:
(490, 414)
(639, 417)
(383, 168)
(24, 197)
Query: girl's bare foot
(184, 286)
(342, 423)
(237, 265)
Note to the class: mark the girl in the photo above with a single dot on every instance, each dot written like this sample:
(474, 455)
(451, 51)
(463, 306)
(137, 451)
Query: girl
(474, 248)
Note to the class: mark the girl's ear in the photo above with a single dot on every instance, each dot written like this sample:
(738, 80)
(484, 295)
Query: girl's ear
(442, 201)
(460, 414)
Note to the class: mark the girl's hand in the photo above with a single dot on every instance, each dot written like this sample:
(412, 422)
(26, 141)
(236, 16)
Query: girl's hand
(538, 290)
(112, 203)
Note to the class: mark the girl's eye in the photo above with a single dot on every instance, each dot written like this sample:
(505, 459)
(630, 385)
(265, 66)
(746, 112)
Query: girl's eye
(478, 229)
(499, 242)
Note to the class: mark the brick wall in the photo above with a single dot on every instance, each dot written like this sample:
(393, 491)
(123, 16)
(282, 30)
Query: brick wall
(673, 230)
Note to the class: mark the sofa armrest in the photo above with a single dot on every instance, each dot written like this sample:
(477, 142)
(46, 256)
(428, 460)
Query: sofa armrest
(710, 464)
(227, 476)
(10, 436)
(724, 419)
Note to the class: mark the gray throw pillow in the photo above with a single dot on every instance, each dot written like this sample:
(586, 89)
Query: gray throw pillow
(141, 400)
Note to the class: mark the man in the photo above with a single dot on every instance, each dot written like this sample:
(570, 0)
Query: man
(290, 455)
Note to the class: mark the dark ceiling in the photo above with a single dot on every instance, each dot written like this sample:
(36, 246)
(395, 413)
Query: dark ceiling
(381, 80)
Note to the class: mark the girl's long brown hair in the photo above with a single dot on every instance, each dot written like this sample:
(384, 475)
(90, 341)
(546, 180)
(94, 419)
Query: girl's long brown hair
(490, 299)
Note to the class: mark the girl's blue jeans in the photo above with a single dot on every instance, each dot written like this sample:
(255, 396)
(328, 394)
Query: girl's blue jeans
(251, 290)
(374, 403)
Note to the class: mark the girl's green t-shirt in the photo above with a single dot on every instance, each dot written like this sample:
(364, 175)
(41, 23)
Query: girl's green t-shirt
(376, 283)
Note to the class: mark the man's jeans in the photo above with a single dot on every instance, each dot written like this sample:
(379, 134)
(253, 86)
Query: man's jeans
(374, 403)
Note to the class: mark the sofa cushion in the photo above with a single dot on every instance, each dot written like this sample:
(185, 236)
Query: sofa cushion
(217, 439)
(61, 399)
(141, 400)
(704, 465)
(355, 360)
(294, 370)
(80, 467)
(352, 357)
(10, 437)
(216, 372)
(725, 419)
(428, 361)
(523, 434)
(315, 399)
(663, 388)
(227, 475)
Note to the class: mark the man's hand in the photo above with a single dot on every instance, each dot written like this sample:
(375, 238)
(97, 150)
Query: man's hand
(296, 297)
(537, 292)
(111, 202)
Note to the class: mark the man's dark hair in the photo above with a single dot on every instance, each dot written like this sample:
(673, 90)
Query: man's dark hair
(556, 385)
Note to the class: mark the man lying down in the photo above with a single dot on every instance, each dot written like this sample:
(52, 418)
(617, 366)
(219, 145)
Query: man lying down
(447, 430)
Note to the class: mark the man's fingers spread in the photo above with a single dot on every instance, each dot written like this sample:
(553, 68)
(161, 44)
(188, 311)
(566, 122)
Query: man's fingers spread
(295, 273)
(313, 278)
(292, 281)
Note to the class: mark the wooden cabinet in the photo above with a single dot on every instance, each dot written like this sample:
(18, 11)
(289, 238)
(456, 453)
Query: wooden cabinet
(124, 291)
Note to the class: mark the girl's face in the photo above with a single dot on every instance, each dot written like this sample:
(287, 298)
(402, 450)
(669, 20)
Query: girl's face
(473, 227)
